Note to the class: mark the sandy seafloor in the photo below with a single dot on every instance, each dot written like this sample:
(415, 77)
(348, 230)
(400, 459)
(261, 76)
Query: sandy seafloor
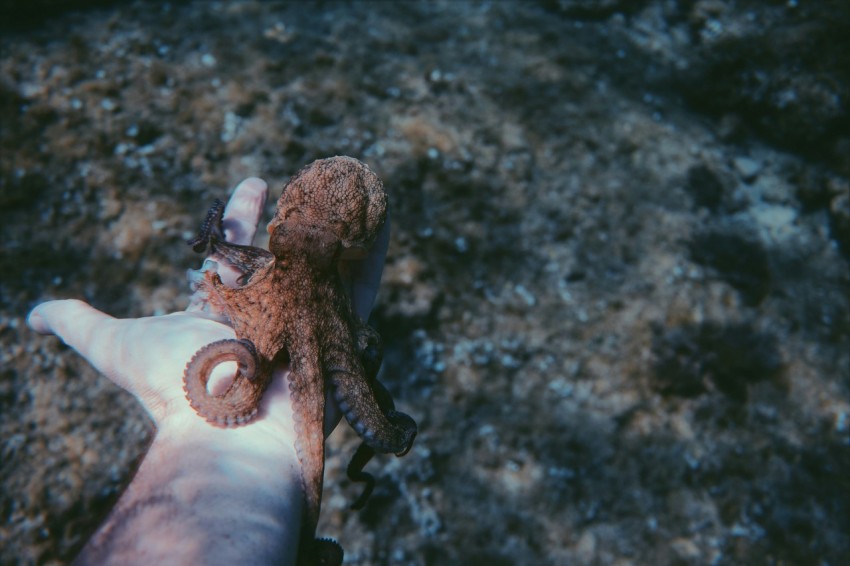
(616, 298)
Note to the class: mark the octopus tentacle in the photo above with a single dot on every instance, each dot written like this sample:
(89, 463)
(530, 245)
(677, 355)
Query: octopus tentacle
(364, 452)
(308, 415)
(246, 259)
(370, 348)
(210, 228)
(392, 432)
(404, 422)
(324, 552)
(355, 473)
(371, 351)
(239, 403)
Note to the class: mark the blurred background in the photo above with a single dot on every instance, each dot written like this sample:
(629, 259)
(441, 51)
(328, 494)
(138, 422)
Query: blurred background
(616, 297)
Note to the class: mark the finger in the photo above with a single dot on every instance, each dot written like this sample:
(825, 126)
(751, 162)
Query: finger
(89, 331)
(240, 220)
(243, 211)
(71, 319)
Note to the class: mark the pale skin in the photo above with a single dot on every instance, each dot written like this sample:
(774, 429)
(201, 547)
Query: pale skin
(202, 494)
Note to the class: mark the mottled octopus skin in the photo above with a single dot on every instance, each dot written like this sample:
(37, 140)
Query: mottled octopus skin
(292, 306)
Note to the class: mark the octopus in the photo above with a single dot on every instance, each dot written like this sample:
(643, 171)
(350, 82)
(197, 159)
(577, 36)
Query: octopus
(291, 306)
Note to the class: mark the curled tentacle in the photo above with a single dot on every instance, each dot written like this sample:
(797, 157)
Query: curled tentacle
(404, 422)
(391, 432)
(239, 403)
(367, 448)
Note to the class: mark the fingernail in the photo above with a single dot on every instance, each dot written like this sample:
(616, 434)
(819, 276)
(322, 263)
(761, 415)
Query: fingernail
(254, 184)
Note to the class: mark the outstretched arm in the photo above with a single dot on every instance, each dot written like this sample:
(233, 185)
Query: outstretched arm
(202, 494)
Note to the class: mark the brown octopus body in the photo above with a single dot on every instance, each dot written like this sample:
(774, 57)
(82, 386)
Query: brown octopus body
(293, 307)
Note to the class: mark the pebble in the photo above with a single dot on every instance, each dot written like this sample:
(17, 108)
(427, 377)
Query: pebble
(526, 295)
(748, 168)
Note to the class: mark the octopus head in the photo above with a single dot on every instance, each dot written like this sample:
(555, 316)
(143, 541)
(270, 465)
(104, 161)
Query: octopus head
(339, 199)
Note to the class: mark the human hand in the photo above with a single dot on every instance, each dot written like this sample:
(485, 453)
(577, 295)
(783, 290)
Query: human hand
(147, 356)
(143, 355)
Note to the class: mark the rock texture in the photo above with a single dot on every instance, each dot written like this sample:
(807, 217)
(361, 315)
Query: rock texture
(616, 298)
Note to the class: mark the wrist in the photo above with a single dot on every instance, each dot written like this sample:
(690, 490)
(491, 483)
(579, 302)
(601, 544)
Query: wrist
(226, 466)
(224, 494)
